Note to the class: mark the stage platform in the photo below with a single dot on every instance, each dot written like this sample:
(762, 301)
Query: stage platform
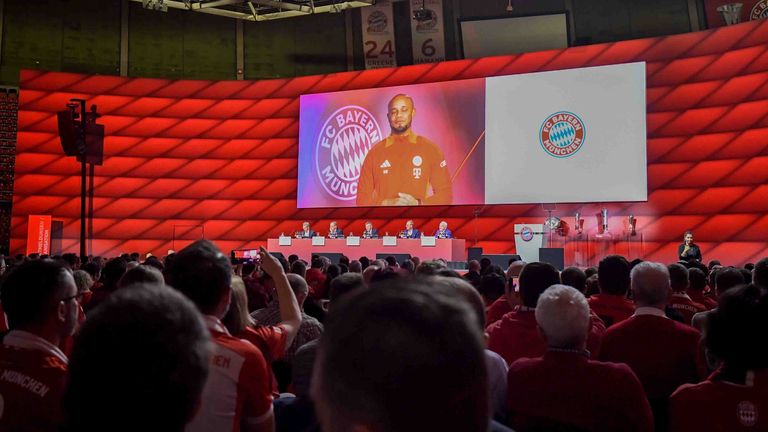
(448, 249)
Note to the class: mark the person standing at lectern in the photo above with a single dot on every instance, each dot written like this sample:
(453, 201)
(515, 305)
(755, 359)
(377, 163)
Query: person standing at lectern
(410, 232)
(370, 232)
(443, 232)
(306, 231)
(404, 167)
(334, 231)
(689, 250)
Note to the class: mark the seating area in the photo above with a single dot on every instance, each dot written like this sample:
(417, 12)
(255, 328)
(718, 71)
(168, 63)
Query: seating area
(191, 341)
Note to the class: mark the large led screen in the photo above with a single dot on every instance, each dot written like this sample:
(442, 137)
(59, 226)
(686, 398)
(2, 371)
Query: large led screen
(465, 142)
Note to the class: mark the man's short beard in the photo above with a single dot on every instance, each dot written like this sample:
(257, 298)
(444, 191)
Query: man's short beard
(400, 130)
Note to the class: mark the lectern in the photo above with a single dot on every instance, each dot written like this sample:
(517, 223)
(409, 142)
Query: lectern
(529, 238)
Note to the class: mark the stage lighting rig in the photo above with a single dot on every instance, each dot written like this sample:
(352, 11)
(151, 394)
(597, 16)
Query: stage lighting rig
(157, 5)
(422, 14)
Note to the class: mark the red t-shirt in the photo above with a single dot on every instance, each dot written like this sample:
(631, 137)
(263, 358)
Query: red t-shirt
(708, 302)
(269, 339)
(721, 404)
(238, 385)
(31, 387)
(567, 389)
(516, 336)
(685, 306)
(611, 308)
(497, 310)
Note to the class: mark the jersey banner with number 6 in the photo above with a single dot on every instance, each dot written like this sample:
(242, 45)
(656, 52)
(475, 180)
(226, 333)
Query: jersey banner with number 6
(408, 145)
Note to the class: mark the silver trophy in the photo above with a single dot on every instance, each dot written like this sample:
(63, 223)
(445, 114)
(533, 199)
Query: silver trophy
(579, 223)
(731, 13)
(605, 219)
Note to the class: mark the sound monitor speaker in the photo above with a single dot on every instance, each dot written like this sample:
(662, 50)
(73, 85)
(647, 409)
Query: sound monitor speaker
(277, 255)
(474, 253)
(554, 256)
(502, 260)
(399, 257)
(333, 256)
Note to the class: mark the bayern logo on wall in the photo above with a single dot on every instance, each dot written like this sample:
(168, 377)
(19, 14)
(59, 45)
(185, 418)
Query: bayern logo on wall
(759, 10)
(526, 234)
(562, 134)
(345, 139)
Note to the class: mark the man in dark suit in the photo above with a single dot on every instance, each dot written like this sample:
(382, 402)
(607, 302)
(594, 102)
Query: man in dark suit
(306, 231)
(334, 231)
(443, 232)
(370, 232)
(410, 232)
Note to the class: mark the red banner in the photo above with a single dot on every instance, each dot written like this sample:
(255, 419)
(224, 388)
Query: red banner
(39, 234)
(750, 10)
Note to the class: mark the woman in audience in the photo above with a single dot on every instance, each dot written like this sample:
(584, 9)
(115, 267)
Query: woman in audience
(735, 397)
(689, 250)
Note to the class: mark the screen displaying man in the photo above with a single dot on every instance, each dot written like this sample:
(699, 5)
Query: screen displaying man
(402, 169)
(306, 231)
(334, 231)
(410, 232)
(370, 232)
(443, 232)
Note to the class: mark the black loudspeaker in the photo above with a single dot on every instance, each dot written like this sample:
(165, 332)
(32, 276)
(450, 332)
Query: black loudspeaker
(399, 257)
(277, 255)
(554, 256)
(474, 253)
(333, 256)
(502, 260)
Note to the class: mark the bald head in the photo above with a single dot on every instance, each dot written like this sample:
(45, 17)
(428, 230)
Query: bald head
(400, 112)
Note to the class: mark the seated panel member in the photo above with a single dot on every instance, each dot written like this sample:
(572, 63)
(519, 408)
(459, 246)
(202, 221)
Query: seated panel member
(306, 231)
(370, 232)
(334, 231)
(443, 232)
(410, 232)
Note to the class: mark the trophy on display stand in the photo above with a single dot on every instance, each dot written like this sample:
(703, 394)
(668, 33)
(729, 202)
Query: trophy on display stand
(731, 13)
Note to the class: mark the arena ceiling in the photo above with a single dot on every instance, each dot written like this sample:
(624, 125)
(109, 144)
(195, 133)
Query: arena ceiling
(257, 10)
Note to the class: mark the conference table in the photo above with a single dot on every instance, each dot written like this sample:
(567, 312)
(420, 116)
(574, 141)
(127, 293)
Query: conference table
(426, 248)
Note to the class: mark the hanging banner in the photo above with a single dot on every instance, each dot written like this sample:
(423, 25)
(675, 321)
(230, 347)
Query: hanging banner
(39, 234)
(378, 35)
(427, 31)
(724, 12)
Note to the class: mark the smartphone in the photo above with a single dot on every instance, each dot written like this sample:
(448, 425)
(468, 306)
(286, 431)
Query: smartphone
(515, 283)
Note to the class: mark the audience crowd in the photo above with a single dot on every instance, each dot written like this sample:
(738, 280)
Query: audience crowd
(195, 341)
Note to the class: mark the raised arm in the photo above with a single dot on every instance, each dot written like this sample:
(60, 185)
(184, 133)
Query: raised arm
(290, 313)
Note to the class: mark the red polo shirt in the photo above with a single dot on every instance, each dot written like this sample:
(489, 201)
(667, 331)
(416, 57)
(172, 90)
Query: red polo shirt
(497, 310)
(516, 336)
(663, 353)
(567, 389)
(721, 404)
(611, 308)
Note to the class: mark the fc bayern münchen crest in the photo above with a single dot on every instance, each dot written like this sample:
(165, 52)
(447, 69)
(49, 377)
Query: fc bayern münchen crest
(345, 139)
(562, 134)
(526, 234)
(759, 10)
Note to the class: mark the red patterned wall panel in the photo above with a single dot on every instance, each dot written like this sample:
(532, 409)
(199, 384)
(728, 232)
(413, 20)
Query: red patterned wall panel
(186, 158)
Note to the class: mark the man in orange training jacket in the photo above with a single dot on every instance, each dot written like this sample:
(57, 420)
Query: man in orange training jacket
(402, 169)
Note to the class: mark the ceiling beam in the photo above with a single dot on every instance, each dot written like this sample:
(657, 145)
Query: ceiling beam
(286, 9)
